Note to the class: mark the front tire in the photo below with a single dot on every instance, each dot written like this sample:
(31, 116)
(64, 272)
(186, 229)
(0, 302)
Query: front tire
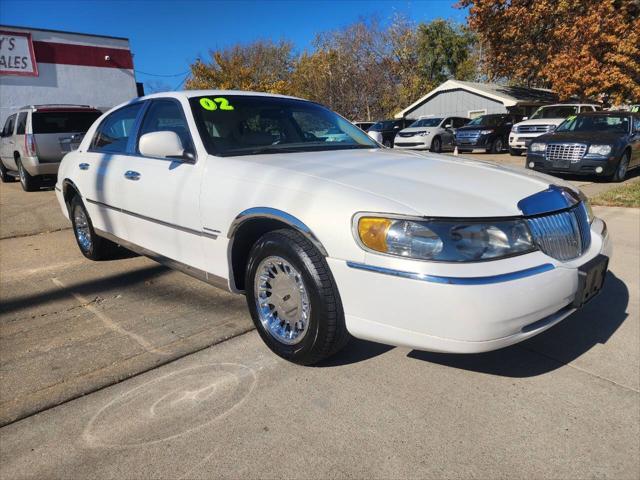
(622, 168)
(496, 146)
(91, 245)
(293, 298)
(436, 145)
(388, 143)
(30, 183)
(514, 152)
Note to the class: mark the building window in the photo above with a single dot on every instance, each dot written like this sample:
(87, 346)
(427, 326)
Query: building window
(476, 113)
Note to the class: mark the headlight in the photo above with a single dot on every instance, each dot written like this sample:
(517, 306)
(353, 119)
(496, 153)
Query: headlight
(424, 134)
(514, 129)
(443, 240)
(485, 132)
(603, 150)
(537, 147)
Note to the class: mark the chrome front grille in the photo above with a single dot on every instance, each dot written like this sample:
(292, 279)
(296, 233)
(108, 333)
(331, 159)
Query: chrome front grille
(565, 152)
(564, 235)
(534, 128)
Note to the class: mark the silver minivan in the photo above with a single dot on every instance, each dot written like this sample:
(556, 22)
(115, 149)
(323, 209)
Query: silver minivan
(36, 137)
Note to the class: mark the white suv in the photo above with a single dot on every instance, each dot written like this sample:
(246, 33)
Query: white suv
(544, 120)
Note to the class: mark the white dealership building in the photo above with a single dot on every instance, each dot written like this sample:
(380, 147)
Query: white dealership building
(47, 66)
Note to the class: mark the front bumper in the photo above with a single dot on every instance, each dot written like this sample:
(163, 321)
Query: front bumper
(520, 141)
(416, 142)
(588, 165)
(35, 167)
(469, 143)
(483, 314)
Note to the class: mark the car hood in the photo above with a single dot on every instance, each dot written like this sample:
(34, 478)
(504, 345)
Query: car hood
(416, 129)
(476, 127)
(542, 121)
(581, 137)
(424, 184)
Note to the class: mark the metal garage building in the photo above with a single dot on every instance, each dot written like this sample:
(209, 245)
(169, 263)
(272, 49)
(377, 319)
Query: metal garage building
(48, 66)
(471, 99)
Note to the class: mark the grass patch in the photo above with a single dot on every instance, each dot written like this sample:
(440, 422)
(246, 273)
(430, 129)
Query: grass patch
(623, 196)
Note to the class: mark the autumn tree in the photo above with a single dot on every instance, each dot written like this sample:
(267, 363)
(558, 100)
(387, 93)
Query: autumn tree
(262, 66)
(585, 48)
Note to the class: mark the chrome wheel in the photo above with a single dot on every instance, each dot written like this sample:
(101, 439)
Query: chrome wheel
(23, 177)
(282, 301)
(81, 228)
(622, 167)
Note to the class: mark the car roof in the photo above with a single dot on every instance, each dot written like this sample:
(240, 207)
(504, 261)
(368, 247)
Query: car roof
(607, 113)
(203, 93)
(571, 105)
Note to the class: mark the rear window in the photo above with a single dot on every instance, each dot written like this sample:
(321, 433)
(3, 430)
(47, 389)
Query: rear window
(63, 122)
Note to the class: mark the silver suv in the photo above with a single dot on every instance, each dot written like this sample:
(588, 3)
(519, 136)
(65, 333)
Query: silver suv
(36, 137)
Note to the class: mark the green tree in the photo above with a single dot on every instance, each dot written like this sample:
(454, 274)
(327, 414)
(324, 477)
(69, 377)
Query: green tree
(262, 66)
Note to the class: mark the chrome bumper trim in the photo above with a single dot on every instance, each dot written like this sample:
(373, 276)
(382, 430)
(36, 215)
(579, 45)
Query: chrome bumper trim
(504, 277)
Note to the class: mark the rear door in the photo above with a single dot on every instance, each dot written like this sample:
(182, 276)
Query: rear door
(58, 131)
(448, 134)
(100, 171)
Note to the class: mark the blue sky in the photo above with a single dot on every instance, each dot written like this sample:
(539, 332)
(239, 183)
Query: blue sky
(166, 36)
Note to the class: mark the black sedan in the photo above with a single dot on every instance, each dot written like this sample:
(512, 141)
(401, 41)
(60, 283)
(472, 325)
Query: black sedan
(606, 144)
(488, 132)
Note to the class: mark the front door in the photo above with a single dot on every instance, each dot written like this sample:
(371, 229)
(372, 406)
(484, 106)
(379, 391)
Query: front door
(161, 195)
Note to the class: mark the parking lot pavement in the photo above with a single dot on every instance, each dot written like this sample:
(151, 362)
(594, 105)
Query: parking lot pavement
(590, 185)
(69, 326)
(27, 213)
(564, 404)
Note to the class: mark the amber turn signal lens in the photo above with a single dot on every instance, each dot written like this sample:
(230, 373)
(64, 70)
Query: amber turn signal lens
(373, 232)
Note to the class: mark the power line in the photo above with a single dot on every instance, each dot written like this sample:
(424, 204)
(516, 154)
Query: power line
(160, 75)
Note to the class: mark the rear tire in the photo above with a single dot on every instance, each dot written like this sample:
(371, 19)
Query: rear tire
(91, 245)
(30, 183)
(388, 143)
(293, 299)
(4, 175)
(622, 168)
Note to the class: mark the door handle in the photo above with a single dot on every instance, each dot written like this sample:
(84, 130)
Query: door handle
(84, 166)
(131, 175)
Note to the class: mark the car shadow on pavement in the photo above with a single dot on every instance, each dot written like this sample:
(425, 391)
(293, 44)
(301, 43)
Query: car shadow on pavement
(354, 352)
(594, 324)
(89, 289)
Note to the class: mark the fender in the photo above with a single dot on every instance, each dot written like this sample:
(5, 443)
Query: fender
(274, 214)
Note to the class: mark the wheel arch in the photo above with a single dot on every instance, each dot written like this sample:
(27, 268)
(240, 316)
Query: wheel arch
(248, 227)
(69, 190)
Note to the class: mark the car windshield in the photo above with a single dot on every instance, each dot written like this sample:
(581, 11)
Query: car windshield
(247, 125)
(486, 121)
(596, 123)
(426, 122)
(63, 122)
(559, 111)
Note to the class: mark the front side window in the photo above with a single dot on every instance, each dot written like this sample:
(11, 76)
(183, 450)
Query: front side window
(560, 111)
(459, 122)
(63, 122)
(166, 115)
(596, 123)
(22, 123)
(114, 131)
(248, 125)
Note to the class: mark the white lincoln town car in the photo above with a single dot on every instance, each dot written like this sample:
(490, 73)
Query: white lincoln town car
(329, 234)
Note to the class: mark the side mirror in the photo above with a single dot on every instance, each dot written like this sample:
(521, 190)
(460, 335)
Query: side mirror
(447, 126)
(396, 127)
(164, 144)
(525, 118)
